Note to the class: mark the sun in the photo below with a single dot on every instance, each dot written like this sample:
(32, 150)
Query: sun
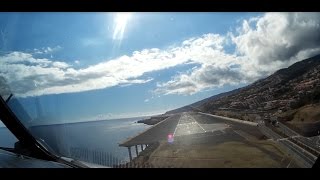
(120, 21)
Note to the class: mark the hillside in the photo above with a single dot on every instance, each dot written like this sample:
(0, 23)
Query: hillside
(284, 91)
(197, 104)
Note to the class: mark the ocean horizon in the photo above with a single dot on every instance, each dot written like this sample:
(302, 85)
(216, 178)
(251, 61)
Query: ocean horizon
(92, 141)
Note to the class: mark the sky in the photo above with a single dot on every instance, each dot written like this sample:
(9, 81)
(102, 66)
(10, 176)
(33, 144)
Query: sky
(70, 67)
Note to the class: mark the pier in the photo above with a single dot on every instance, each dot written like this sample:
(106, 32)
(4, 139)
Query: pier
(156, 133)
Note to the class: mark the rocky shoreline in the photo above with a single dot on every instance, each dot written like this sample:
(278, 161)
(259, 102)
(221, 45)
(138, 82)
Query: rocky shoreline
(153, 120)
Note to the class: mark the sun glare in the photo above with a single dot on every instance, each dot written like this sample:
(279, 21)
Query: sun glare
(120, 22)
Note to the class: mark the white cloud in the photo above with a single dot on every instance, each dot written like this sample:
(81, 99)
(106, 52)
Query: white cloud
(47, 50)
(29, 76)
(279, 36)
(207, 76)
(146, 100)
(263, 45)
(77, 62)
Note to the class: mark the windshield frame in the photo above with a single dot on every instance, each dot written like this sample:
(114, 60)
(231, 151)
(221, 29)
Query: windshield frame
(11, 121)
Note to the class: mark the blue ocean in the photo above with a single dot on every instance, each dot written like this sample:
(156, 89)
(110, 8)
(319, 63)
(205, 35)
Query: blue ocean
(95, 142)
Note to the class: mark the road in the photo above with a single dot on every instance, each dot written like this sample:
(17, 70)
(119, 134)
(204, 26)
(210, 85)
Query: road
(306, 158)
(194, 124)
(202, 128)
(156, 133)
(188, 125)
(178, 125)
(310, 142)
(300, 153)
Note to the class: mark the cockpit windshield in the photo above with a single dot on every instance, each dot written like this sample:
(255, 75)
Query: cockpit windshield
(133, 89)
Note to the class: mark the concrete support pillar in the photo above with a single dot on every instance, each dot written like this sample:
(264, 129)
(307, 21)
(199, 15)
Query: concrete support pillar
(141, 147)
(130, 156)
(137, 150)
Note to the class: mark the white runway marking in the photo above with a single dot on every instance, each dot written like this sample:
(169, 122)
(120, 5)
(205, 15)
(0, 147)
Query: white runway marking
(188, 125)
(198, 124)
(177, 125)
